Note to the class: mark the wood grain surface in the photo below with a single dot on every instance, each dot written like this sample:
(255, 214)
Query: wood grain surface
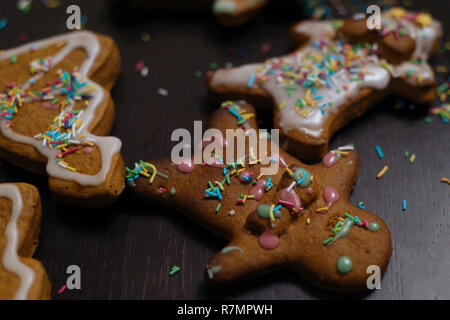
(126, 251)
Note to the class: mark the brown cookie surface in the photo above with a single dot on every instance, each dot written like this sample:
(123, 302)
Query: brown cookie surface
(297, 217)
(55, 111)
(338, 72)
(21, 277)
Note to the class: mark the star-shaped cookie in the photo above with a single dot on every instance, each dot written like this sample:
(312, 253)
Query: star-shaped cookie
(339, 71)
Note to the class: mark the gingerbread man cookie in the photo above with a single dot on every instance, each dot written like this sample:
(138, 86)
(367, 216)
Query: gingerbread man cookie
(21, 277)
(339, 71)
(298, 218)
(56, 109)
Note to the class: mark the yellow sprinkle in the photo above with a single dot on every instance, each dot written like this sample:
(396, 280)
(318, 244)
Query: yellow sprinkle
(289, 171)
(240, 170)
(220, 185)
(341, 219)
(308, 221)
(250, 196)
(282, 104)
(233, 172)
(413, 157)
(322, 209)
(344, 153)
(271, 212)
(445, 180)
(259, 177)
(153, 173)
(145, 174)
(382, 172)
(245, 198)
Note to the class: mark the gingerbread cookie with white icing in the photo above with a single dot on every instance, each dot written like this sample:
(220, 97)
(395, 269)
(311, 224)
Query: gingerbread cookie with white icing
(297, 218)
(339, 71)
(55, 112)
(21, 277)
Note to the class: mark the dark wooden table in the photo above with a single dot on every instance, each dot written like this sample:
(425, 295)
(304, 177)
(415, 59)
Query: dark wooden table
(126, 251)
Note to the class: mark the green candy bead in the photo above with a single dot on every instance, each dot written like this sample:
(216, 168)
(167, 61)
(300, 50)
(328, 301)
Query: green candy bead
(299, 173)
(374, 227)
(263, 211)
(344, 264)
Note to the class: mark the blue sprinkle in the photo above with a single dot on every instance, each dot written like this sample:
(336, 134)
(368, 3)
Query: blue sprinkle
(380, 153)
(3, 23)
(404, 205)
(278, 207)
(209, 193)
(218, 193)
(251, 80)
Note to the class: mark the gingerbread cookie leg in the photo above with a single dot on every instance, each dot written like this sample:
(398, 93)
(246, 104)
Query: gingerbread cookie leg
(21, 277)
(55, 115)
(330, 80)
(296, 218)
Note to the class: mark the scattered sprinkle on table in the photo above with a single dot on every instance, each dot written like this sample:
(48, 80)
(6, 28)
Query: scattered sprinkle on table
(445, 180)
(361, 205)
(198, 73)
(13, 59)
(379, 152)
(145, 37)
(404, 205)
(3, 23)
(214, 66)
(163, 92)
(265, 48)
(413, 157)
(175, 269)
(382, 172)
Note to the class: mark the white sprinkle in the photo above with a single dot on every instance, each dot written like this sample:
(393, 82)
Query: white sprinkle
(81, 128)
(80, 114)
(144, 71)
(74, 141)
(163, 92)
(232, 213)
(291, 186)
(49, 97)
(38, 135)
(347, 147)
(44, 142)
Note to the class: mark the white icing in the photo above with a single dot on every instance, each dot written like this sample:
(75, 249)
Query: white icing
(315, 29)
(375, 76)
(108, 146)
(11, 260)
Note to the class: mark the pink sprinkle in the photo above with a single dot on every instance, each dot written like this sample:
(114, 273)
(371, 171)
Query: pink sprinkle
(70, 151)
(62, 289)
(286, 203)
(163, 189)
(265, 48)
(23, 37)
(139, 65)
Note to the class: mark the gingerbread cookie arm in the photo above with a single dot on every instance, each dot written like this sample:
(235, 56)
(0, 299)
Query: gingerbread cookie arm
(55, 106)
(21, 277)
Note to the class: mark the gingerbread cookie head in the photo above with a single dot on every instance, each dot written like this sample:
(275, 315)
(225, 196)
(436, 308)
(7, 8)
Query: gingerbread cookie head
(21, 277)
(55, 109)
(330, 80)
(297, 218)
